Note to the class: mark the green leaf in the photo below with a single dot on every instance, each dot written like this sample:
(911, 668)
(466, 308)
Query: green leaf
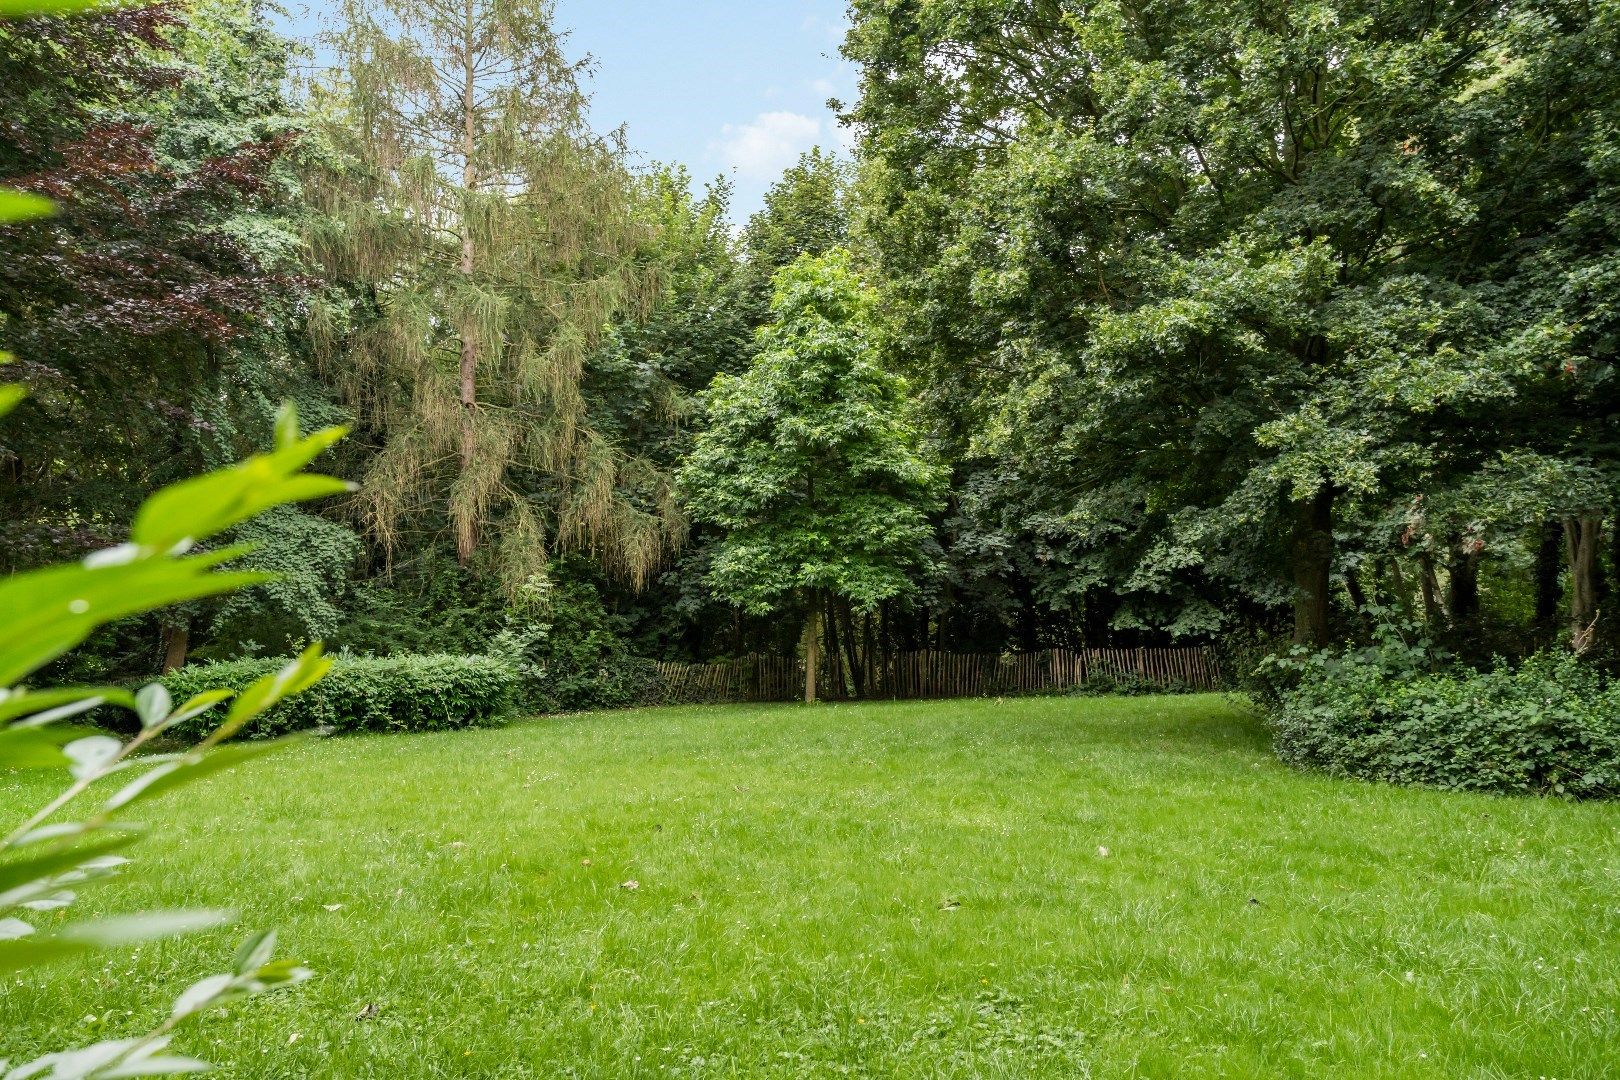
(21, 871)
(36, 747)
(18, 954)
(199, 704)
(20, 205)
(10, 393)
(255, 952)
(58, 607)
(92, 755)
(260, 695)
(191, 767)
(204, 506)
(286, 426)
(36, 706)
(153, 704)
(79, 938)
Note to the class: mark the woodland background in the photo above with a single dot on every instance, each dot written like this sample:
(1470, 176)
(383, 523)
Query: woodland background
(1126, 325)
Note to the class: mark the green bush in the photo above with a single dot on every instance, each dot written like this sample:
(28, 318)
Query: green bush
(571, 653)
(1550, 725)
(402, 693)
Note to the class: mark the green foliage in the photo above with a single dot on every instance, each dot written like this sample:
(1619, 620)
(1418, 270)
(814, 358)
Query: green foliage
(310, 560)
(571, 652)
(810, 464)
(479, 238)
(160, 132)
(1205, 289)
(1128, 684)
(44, 860)
(373, 694)
(399, 693)
(1547, 726)
(806, 212)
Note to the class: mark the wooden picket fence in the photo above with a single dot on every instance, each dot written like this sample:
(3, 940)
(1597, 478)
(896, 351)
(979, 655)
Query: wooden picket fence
(929, 674)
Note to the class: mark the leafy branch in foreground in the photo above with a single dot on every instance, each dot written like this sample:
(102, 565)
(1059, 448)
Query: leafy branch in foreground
(45, 861)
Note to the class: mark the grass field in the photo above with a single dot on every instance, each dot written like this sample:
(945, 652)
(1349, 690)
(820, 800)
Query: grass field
(1029, 888)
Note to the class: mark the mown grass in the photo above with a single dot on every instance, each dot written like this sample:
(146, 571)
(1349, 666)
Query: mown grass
(1029, 888)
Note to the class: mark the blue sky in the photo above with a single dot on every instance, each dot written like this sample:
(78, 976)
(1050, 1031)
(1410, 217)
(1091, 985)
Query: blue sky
(733, 86)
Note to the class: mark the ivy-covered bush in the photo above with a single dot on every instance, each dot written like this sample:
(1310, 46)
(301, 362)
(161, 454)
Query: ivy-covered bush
(1550, 725)
(401, 693)
(572, 654)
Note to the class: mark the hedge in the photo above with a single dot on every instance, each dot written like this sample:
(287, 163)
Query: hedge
(1550, 725)
(402, 693)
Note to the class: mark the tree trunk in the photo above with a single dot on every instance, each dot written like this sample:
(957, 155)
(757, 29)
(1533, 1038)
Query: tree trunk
(849, 637)
(1581, 537)
(863, 677)
(1352, 589)
(1462, 594)
(467, 527)
(812, 651)
(1399, 587)
(1430, 582)
(835, 685)
(1550, 574)
(1313, 567)
(176, 643)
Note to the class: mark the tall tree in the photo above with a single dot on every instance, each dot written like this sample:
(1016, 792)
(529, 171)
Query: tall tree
(810, 464)
(152, 314)
(1216, 280)
(806, 212)
(493, 237)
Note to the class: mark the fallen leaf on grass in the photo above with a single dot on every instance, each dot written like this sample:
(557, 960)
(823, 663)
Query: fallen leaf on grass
(369, 1011)
(332, 907)
(631, 885)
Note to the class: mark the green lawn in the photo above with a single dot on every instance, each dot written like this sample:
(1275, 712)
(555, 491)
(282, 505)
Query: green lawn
(1028, 888)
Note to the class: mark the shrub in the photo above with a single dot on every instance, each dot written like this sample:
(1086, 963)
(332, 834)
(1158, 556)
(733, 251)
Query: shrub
(403, 693)
(1551, 725)
(571, 653)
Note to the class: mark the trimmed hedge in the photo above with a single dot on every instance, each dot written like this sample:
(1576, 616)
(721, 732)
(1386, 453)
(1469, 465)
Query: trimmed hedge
(1548, 726)
(402, 693)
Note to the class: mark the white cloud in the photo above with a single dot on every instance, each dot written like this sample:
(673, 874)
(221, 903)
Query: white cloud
(830, 30)
(824, 87)
(774, 140)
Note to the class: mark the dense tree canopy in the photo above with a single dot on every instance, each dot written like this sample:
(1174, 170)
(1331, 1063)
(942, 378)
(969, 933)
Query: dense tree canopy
(1205, 285)
(151, 313)
(1125, 323)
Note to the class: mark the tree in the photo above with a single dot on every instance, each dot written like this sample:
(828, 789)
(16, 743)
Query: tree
(489, 237)
(810, 464)
(806, 212)
(1221, 283)
(152, 312)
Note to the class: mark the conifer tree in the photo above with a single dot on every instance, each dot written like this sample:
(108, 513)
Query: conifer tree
(489, 236)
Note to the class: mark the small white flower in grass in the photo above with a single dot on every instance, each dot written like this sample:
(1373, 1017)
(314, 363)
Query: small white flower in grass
(1102, 852)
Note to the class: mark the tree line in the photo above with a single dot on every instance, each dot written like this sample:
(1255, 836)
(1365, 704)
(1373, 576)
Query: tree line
(1128, 324)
